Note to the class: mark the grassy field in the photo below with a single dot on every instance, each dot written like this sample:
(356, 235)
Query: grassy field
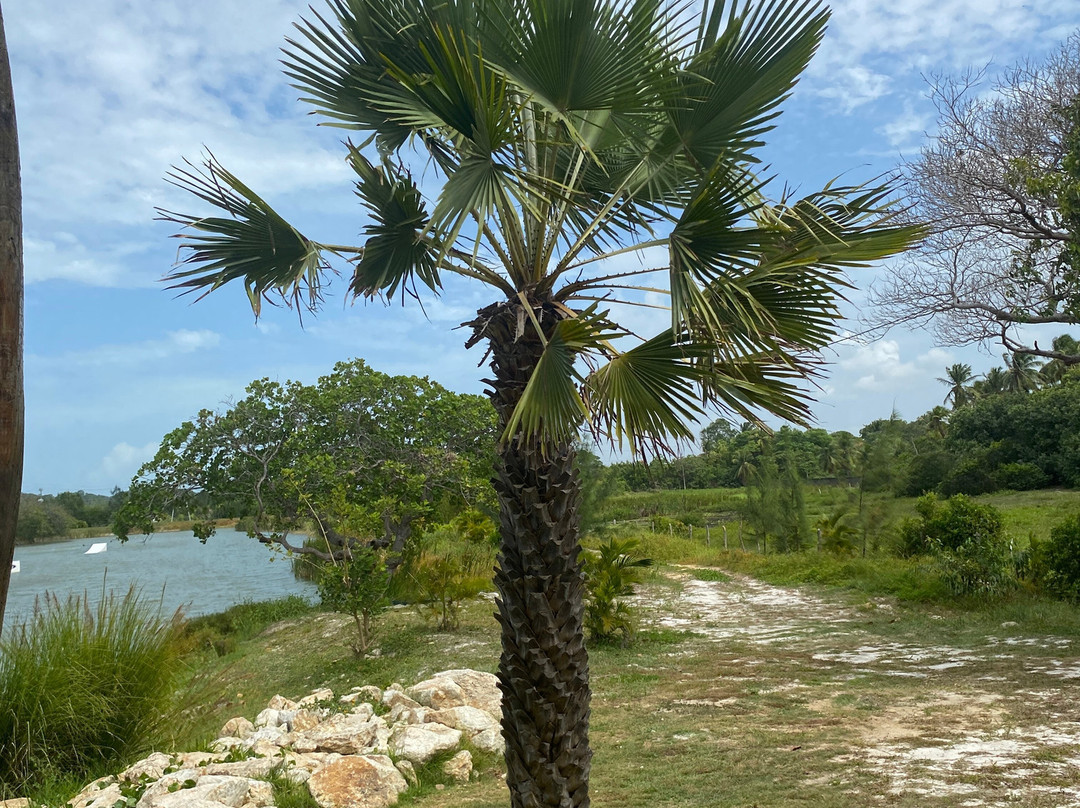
(1026, 513)
(737, 693)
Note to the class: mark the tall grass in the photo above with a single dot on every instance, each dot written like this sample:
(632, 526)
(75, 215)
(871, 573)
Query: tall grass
(83, 687)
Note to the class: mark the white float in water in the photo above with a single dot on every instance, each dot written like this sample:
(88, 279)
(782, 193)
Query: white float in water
(16, 566)
(97, 547)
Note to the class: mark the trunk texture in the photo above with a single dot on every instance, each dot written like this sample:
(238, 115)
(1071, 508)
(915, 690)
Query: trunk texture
(544, 668)
(11, 325)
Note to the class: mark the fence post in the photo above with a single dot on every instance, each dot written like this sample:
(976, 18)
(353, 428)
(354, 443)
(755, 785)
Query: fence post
(691, 532)
(819, 539)
(708, 538)
(725, 536)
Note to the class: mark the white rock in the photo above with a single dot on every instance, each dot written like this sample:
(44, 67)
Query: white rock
(281, 703)
(268, 718)
(469, 720)
(408, 771)
(363, 709)
(357, 781)
(459, 767)
(151, 768)
(490, 740)
(238, 727)
(421, 742)
(323, 694)
(396, 698)
(344, 733)
(302, 720)
(460, 688)
(96, 797)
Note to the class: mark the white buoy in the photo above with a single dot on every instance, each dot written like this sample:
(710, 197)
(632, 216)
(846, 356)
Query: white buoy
(16, 566)
(97, 547)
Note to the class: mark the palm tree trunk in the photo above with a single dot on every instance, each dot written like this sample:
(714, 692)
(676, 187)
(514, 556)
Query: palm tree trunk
(544, 667)
(11, 332)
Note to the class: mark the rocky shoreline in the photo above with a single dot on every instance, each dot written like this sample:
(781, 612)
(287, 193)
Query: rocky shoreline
(359, 750)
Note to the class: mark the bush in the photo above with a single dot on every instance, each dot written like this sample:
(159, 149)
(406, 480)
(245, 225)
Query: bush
(610, 576)
(83, 687)
(356, 586)
(1020, 477)
(969, 476)
(925, 472)
(1059, 560)
(968, 541)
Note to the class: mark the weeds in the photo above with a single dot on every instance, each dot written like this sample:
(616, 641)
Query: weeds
(84, 687)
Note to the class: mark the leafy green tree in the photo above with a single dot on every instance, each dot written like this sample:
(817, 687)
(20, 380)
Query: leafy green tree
(717, 434)
(958, 378)
(362, 457)
(562, 133)
(1055, 371)
(356, 585)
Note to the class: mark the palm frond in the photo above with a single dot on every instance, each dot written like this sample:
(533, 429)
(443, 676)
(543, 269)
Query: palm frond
(255, 244)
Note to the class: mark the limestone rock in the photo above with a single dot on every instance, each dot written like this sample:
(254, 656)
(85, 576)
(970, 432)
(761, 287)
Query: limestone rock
(323, 694)
(396, 698)
(421, 742)
(194, 760)
(490, 740)
(102, 793)
(281, 703)
(469, 720)
(303, 720)
(269, 718)
(213, 788)
(238, 727)
(460, 688)
(408, 771)
(252, 768)
(357, 781)
(459, 767)
(404, 714)
(173, 780)
(364, 709)
(17, 802)
(226, 744)
(344, 733)
(150, 768)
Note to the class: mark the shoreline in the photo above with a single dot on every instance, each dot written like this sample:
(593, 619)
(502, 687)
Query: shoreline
(106, 532)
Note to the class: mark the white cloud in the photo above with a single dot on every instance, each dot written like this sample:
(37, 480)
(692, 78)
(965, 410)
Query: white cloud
(123, 460)
(905, 131)
(175, 343)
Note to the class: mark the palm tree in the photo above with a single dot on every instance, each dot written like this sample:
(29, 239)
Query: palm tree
(995, 381)
(11, 321)
(958, 379)
(566, 133)
(1021, 372)
(1054, 371)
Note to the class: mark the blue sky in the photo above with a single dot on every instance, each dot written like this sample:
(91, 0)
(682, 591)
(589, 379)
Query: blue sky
(110, 93)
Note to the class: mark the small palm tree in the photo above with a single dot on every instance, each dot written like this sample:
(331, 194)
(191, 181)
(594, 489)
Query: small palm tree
(994, 382)
(581, 147)
(1054, 371)
(958, 378)
(1021, 372)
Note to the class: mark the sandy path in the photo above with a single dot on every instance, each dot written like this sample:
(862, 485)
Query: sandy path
(995, 723)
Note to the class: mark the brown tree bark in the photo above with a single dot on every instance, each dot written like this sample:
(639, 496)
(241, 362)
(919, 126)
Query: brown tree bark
(11, 324)
(544, 667)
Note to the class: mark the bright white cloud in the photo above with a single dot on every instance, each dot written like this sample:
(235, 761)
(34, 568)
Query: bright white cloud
(123, 460)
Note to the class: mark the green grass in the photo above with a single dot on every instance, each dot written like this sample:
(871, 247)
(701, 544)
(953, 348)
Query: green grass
(83, 688)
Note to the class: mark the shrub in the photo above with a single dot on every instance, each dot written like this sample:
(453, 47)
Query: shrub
(1020, 477)
(82, 687)
(969, 476)
(1059, 560)
(610, 576)
(356, 586)
(968, 541)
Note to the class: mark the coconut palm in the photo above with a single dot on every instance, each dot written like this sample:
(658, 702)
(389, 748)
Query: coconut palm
(591, 155)
(958, 378)
(1021, 372)
(1054, 371)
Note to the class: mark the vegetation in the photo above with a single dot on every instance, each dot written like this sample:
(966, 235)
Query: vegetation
(84, 687)
(356, 586)
(64, 515)
(611, 573)
(359, 459)
(1001, 184)
(561, 134)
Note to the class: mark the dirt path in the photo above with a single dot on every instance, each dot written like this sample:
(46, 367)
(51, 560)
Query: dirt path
(990, 720)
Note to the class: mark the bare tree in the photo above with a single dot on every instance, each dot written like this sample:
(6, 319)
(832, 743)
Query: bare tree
(11, 332)
(999, 187)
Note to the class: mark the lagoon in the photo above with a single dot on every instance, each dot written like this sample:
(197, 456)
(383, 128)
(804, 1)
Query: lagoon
(173, 568)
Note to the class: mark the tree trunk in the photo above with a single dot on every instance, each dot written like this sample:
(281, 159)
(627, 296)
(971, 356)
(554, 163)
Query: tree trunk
(544, 667)
(11, 332)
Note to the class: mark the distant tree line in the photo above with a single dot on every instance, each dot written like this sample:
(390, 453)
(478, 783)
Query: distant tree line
(1015, 427)
(49, 516)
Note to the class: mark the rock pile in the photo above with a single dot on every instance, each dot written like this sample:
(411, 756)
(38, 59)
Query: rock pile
(357, 751)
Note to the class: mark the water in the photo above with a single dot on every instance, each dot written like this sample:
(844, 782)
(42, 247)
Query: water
(203, 578)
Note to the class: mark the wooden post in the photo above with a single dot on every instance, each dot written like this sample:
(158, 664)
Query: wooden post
(725, 535)
(819, 539)
(691, 532)
(742, 544)
(708, 538)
